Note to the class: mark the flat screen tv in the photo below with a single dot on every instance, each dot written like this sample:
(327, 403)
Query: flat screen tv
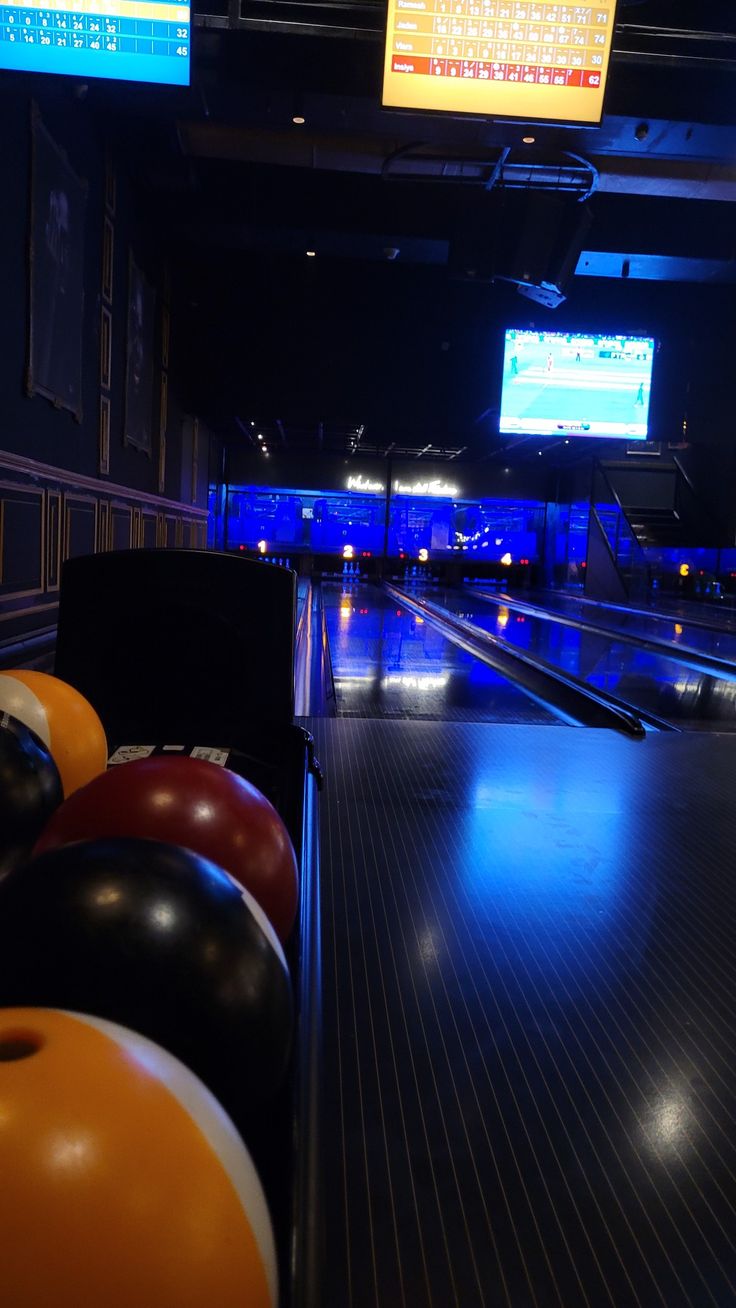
(126, 40)
(576, 384)
(540, 62)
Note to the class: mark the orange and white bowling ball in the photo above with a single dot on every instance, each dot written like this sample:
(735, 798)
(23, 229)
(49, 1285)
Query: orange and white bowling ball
(66, 722)
(124, 1183)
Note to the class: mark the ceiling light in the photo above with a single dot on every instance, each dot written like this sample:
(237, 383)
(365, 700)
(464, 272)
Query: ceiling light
(528, 140)
(260, 437)
(299, 120)
(311, 254)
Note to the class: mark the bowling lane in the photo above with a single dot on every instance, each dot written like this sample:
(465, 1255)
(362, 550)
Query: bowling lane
(679, 627)
(388, 663)
(688, 699)
(529, 1006)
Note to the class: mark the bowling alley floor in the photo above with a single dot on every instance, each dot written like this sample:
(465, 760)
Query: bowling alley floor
(530, 1016)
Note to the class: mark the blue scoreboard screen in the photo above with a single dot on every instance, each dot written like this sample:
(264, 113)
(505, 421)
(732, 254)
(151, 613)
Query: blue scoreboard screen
(129, 40)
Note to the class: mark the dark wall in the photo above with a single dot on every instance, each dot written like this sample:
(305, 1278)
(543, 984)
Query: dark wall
(246, 467)
(711, 469)
(33, 427)
(653, 487)
(414, 354)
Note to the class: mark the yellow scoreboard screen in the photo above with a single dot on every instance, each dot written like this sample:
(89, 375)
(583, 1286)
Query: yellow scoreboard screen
(499, 58)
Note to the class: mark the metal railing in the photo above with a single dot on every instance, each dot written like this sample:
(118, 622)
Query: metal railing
(629, 557)
(314, 683)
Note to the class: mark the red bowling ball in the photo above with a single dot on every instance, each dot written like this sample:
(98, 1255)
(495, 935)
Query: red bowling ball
(196, 804)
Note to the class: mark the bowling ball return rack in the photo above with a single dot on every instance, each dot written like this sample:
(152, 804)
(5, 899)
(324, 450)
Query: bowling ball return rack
(189, 651)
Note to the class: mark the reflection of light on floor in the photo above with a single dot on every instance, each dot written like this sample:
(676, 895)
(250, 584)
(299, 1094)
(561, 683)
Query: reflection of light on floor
(688, 685)
(420, 681)
(668, 1122)
(428, 951)
(367, 676)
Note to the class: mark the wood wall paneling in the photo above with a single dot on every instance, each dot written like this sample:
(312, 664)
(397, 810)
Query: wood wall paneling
(103, 526)
(105, 348)
(104, 440)
(121, 516)
(48, 514)
(53, 539)
(22, 540)
(80, 525)
(149, 530)
(162, 424)
(108, 260)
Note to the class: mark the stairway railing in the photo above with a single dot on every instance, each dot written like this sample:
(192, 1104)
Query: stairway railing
(630, 559)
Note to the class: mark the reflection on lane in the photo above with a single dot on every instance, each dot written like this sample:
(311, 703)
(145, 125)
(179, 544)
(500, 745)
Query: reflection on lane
(675, 629)
(389, 663)
(646, 681)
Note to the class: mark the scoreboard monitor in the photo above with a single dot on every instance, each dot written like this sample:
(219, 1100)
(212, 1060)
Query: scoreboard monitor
(127, 40)
(576, 384)
(499, 58)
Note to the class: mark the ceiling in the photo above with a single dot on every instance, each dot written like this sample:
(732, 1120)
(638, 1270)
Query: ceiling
(246, 192)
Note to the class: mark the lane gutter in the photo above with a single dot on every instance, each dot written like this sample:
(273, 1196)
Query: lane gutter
(692, 658)
(569, 698)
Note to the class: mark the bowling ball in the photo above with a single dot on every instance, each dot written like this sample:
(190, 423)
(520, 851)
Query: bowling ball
(190, 802)
(158, 939)
(30, 790)
(124, 1181)
(65, 721)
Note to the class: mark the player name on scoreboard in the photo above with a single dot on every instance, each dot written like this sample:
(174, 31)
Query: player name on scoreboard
(552, 47)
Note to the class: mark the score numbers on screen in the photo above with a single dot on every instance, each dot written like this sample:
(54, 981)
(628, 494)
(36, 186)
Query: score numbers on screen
(125, 40)
(501, 58)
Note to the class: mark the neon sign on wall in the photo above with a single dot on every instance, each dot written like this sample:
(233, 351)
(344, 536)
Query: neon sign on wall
(439, 489)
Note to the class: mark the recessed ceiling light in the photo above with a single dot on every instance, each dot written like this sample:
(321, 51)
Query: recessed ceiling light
(260, 437)
(252, 424)
(311, 254)
(528, 140)
(299, 120)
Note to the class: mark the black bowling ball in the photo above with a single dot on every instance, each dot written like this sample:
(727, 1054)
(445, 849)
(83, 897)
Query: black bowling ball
(158, 939)
(30, 790)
